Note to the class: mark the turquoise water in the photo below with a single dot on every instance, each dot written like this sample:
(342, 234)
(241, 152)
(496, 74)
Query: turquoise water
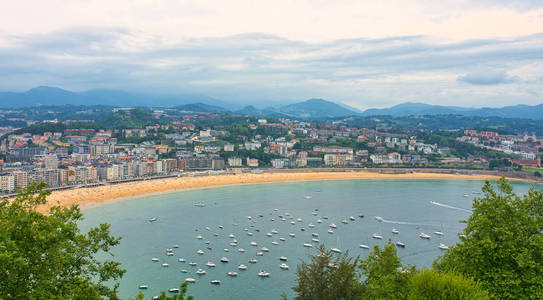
(404, 204)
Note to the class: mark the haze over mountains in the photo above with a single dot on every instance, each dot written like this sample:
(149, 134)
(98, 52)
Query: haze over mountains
(309, 109)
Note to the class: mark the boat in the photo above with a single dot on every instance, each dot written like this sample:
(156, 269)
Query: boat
(275, 243)
(314, 213)
(307, 197)
(175, 246)
(241, 250)
(169, 254)
(336, 250)
(315, 234)
(200, 252)
(299, 220)
(332, 225)
(345, 221)
(209, 248)
(173, 290)
(215, 282)
(466, 195)
(165, 265)
(225, 260)
(263, 273)
(182, 260)
(325, 217)
(311, 225)
(283, 258)
(443, 246)
(264, 249)
(302, 229)
(380, 219)
(274, 231)
(199, 204)
(233, 244)
(376, 236)
(201, 272)
(292, 222)
(184, 271)
(330, 231)
(308, 245)
(268, 234)
(152, 219)
(249, 233)
(260, 254)
(253, 261)
(199, 237)
(254, 244)
(207, 228)
(282, 239)
(242, 267)
(210, 264)
(226, 250)
(423, 235)
(207, 242)
(363, 246)
(315, 240)
(192, 263)
(221, 227)
(249, 217)
(319, 221)
(283, 266)
(439, 233)
(291, 234)
(143, 287)
(232, 273)
(395, 231)
(351, 218)
(231, 236)
(155, 259)
(361, 215)
(190, 280)
(400, 244)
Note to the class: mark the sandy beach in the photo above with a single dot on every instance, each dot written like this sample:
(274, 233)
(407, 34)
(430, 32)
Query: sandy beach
(88, 197)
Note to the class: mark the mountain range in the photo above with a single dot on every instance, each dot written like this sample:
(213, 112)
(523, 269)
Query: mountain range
(306, 110)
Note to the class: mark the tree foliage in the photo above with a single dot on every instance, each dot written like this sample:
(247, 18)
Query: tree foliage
(503, 244)
(428, 284)
(164, 296)
(45, 256)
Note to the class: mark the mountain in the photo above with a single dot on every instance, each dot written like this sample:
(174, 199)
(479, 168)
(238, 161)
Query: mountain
(420, 109)
(46, 96)
(201, 107)
(316, 109)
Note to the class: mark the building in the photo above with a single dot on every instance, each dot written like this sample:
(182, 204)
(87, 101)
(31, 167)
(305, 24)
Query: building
(338, 159)
(235, 162)
(280, 163)
(7, 183)
(252, 162)
(228, 148)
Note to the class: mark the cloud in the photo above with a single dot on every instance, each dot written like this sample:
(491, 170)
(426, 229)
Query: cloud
(487, 78)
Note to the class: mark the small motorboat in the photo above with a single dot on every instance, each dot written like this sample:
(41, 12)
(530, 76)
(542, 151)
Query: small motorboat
(400, 244)
(233, 244)
(315, 234)
(443, 246)
(216, 282)
(361, 215)
(302, 229)
(264, 249)
(165, 265)
(299, 220)
(143, 287)
(274, 231)
(263, 273)
(232, 274)
(200, 252)
(260, 254)
(325, 217)
(345, 221)
(291, 234)
(241, 250)
(169, 254)
(152, 219)
(254, 244)
(311, 225)
(274, 243)
(314, 213)
(439, 233)
(184, 271)
(181, 260)
(380, 219)
(268, 234)
(332, 225)
(207, 228)
(173, 290)
(282, 239)
(192, 263)
(319, 221)
(283, 258)
(330, 231)
(315, 240)
(308, 245)
(336, 250)
(377, 236)
(201, 272)
(307, 197)
(191, 280)
(207, 242)
(210, 264)
(292, 222)
(226, 250)
(423, 235)
(231, 236)
(225, 260)
(363, 246)
(283, 266)
(253, 261)
(242, 267)
(175, 246)
(199, 237)
(351, 218)
(155, 259)
(395, 231)
(249, 233)
(221, 227)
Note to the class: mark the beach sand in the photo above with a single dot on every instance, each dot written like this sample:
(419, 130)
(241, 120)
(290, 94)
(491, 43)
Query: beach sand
(88, 197)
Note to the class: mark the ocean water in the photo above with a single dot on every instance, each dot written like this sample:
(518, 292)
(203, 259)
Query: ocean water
(404, 205)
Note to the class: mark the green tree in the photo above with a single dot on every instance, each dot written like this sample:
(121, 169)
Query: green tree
(164, 296)
(428, 284)
(385, 276)
(503, 244)
(328, 275)
(45, 256)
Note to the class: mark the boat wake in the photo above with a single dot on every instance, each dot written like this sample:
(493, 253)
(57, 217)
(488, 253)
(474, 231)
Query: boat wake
(407, 223)
(450, 206)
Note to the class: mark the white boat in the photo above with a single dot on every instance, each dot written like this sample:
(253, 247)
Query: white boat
(152, 219)
(232, 273)
(249, 217)
(307, 197)
(207, 228)
(200, 252)
(283, 258)
(253, 261)
(443, 246)
(254, 244)
(169, 254)
(210, 264)
(221, 227)
(302, 229)
(274, 231)
(400, 244)
(308, 245)
(169, 250)
(380, 219)
(363, 246)
(242, 267)
(268, 234)
(292, 222)
(260, 254)
(215, 282)
(299, 220)
(275, 243)
(282, 239)
(423, 235)
(332, 225)
(175, 246)
(207, 242)
(263, 273)
(226, 250)
(233, 244)
(192, 263)
(361, 215)
(173, 290)
(325, 217)
(466, 195)
(291, 234)
(311, 225)
(315, 234)
(249, 233)
(376, 236)
(314, 213)
(241, 250)
(165, 265)
(351, 218)
(439, 233)
(143, 287)
(315, 240)
(395, 231)
(336, 250)
(345, 221)
(225, 260)
(283, 266)
(231, 236)
(182, 260)
(199, 204)
(191, 280)
(319, 221)
(155, 259)
(330, 231)
(184, 271)
(264, 249)
(199, 237)
(201, 272)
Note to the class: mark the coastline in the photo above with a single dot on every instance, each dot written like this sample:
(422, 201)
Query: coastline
(87, 197)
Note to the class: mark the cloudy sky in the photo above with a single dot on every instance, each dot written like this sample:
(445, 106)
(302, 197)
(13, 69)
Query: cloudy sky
(362, 53)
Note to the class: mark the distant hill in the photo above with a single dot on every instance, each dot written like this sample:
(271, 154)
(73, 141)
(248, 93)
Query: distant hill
(201, 107)
(47, 96)
(421, 109)
(309, 109)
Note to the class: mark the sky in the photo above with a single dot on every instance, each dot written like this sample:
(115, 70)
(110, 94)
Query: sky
(362, 53)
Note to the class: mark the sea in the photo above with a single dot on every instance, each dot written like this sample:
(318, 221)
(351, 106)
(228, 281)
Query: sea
(409, 206)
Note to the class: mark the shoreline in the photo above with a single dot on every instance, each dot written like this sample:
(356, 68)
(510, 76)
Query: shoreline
(88, 197)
